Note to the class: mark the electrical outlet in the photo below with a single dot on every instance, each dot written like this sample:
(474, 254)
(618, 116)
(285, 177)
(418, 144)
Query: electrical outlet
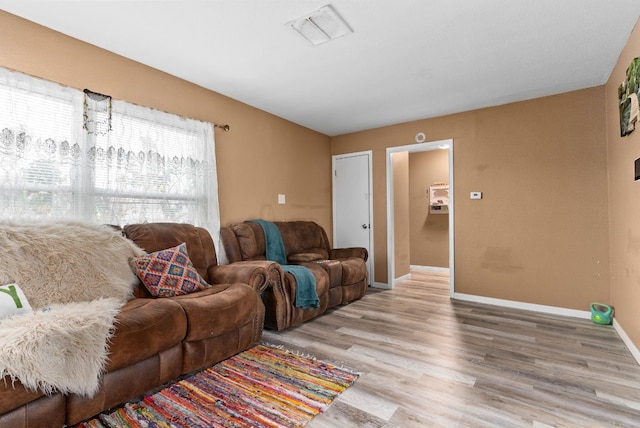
(281, 199)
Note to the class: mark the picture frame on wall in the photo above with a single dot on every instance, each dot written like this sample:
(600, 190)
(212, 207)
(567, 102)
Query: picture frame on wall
(628, 93)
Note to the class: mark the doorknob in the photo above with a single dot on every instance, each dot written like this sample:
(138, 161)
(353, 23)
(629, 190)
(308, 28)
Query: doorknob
(365, 226)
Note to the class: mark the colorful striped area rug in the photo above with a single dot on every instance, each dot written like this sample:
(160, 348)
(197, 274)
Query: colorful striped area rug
(262, 387)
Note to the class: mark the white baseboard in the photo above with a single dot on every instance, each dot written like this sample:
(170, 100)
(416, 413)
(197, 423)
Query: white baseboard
(402, 278)
(554, 310)
(429, 268)
(627, 341)
(382, 285)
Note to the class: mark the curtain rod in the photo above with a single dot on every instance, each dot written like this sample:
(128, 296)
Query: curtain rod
(100, 97)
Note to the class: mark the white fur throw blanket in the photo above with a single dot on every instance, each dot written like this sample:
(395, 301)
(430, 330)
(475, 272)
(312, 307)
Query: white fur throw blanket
(76, 276)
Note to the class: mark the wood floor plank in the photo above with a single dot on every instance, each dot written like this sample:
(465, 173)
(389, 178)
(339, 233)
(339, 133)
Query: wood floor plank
(427, 360)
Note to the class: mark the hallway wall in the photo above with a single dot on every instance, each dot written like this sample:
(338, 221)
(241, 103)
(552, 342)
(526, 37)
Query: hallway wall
(429, 232)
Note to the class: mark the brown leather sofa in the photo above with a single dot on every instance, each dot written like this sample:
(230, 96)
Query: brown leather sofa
(341, 273)
(159, 339)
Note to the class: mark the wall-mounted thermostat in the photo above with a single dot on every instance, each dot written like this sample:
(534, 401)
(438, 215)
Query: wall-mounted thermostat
(476, 195)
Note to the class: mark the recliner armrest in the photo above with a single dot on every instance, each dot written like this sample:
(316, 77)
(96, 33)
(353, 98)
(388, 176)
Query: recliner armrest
(267, 279)
(255, 273)
(345, 253)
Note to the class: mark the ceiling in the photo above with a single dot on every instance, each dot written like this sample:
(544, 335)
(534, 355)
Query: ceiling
(406, 59)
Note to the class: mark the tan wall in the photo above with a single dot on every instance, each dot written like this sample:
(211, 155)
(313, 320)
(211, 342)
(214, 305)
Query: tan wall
(401, 213)
(624, 199)
(260, 157)
(539, 234)
(429, 233)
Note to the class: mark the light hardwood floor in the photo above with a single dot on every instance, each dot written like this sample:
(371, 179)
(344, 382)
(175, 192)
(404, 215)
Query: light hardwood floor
(426, 360)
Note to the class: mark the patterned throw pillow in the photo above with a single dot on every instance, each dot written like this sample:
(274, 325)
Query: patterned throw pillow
(13, 301)
(169, 272)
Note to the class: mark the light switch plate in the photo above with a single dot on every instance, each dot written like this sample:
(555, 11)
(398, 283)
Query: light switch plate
(281, 199)
(476, 195)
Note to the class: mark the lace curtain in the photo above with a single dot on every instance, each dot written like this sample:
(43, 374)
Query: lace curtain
(41, 147)
(65, 154)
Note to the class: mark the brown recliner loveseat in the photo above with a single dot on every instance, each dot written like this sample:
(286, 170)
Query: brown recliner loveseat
(157, 340)
(341, 273)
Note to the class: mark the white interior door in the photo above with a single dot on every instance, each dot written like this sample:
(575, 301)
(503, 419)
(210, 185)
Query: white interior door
(352, 204)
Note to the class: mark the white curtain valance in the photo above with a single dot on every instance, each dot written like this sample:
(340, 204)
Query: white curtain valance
(69, 154)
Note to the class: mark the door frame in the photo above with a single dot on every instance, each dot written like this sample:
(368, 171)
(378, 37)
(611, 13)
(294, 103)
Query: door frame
(412, 148)
(369, 154)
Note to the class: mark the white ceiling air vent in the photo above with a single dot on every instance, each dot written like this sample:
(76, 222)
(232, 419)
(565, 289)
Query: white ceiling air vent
(321, 26)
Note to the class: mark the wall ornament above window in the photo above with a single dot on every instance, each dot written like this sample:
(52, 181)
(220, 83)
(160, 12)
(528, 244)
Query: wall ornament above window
(97, 113)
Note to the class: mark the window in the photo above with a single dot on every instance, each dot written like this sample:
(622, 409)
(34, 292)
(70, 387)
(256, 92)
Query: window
(68, 154)
(40, 147)
(148, 165)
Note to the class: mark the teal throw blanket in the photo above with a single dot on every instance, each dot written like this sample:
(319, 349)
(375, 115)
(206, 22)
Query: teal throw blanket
(306, 295)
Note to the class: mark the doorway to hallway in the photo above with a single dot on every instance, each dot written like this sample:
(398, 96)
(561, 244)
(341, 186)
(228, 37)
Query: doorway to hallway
(395, 179)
